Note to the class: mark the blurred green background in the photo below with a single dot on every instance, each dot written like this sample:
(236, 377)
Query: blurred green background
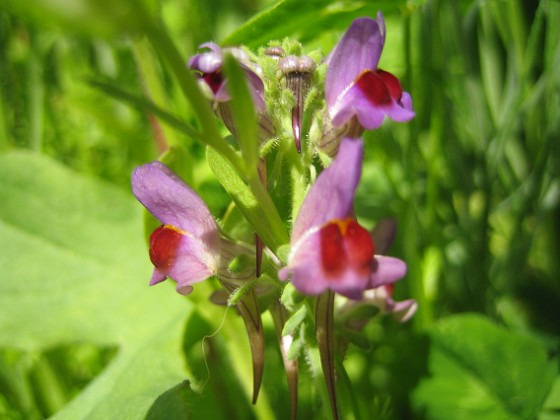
(473, 181)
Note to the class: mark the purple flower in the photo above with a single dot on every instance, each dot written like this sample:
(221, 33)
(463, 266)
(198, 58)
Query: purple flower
(186, 247)
(329, 249)
(209, 65)
(355, 87)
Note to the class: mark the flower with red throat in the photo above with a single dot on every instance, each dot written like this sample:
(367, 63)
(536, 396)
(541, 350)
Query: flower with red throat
(209, 67)
(186, 247)
(355, 87)
(329, 248)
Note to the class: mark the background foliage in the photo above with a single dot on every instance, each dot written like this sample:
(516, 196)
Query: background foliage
(473, 182)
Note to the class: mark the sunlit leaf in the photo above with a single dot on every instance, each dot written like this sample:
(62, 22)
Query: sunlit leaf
(76, 271)
(480, 370)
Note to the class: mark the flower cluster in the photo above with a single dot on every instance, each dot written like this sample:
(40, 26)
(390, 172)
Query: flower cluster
(328, 104)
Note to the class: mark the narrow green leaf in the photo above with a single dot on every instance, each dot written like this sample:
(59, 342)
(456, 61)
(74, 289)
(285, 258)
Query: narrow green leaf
(297, 345)
(248, 307)
(145, 104)
(280, 316)
(244, 115)
(211, 134)
(238, 293)
(293, 322)
(305, 19)
(267, 224)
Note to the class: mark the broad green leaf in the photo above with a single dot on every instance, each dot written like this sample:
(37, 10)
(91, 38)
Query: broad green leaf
(75, 270)
(304, 19)
(480, 370)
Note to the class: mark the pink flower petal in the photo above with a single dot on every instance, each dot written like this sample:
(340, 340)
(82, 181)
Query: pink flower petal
(183, 258)
(332, 194)
(174, 203)
(358, 50)
(370, 99)
(157, 277)
(386, 270)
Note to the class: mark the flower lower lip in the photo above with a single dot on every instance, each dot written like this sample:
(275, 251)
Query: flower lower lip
(164, 242)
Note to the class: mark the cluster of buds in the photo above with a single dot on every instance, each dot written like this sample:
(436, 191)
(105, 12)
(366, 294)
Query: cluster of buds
(331, 258)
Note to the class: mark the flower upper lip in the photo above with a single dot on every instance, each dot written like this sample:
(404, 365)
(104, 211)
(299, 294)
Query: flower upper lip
(358, 50)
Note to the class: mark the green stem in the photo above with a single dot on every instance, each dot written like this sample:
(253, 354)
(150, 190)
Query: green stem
(165, 46)
(298, 175)
(145, 62)
(4, 142)
(15, 384)
(345, 386)
(279, 317)
(324, 324)
(51, 391)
